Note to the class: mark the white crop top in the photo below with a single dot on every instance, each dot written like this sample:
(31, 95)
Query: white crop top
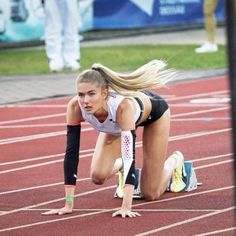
(109, 125)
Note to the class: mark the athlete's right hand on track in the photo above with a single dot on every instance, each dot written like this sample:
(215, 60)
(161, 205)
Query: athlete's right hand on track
(61, 211)
(125, 213)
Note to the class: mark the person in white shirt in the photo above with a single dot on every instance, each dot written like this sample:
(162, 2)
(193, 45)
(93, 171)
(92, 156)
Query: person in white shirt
(116, 105)
(62, 44)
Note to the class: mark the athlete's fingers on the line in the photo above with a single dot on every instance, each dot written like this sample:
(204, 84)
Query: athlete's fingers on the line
(136, 214)
(115, 214)
(51, 212)
(61, 212)
(64, 211)
(133, 214)
(57, 212)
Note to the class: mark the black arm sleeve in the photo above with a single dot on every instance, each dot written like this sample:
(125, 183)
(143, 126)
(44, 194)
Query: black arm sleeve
(71, 160)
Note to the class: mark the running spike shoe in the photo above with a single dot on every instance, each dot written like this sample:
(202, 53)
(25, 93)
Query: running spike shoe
(179, 173)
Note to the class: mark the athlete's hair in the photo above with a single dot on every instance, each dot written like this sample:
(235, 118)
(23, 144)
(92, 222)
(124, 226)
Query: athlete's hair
(150, 75)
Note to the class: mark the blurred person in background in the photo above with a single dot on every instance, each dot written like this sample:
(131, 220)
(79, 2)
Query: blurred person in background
(61, 34)
(210, 45)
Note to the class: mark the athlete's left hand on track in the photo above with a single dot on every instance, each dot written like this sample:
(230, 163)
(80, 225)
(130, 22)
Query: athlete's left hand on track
(125, 213)
(61, 211)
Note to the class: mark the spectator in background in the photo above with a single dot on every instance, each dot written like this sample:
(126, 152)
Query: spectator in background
(210, 27)
(61, 34)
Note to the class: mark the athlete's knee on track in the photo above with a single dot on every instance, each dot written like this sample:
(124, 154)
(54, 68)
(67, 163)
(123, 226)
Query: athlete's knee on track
(150, 195)
(98, 178)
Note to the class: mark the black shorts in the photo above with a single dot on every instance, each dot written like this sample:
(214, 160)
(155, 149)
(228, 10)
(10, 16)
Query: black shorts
(159, 106)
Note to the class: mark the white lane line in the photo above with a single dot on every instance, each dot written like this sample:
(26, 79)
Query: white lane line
(40, 164)
(213, 164)
(32, 118)
(64, 114)
(166, 227)
(59, 133)
(192, 96)
(198, 134)
(31, 137)
(32, 159)
(38, 125)
(34, 106)
(45, 135)
(198, 112)
(40, 187)
(57, 200)
(211, 100)
(198, 105)
(138, 144)
(36, 136)
(203, 118)
(136, 209)
(30, 166)
(78, 180)
(27, 126)
(42, 157)
(109, 210)
(32, 126)
(213, 157)
(217, 231)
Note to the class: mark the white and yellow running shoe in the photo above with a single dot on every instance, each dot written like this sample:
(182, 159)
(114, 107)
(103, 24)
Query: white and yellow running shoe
(119, 193)
(178, 184)
(120, 187)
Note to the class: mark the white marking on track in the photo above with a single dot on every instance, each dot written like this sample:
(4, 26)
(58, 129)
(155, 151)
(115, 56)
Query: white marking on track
(198, 95)
(60, 183)
(217, 231)
(138, 144)
(109, 210)
(186, 221)
(36, 136)
(32, 118)
(214, 101)
(32, 126)
(34, 106)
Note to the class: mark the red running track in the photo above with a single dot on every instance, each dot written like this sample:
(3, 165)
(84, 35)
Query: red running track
(32, 143)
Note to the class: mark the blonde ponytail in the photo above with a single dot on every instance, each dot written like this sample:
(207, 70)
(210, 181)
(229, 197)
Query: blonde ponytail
(150, 75)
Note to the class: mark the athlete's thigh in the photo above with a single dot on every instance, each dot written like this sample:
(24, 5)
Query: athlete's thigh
(155, 142)
(107, 150)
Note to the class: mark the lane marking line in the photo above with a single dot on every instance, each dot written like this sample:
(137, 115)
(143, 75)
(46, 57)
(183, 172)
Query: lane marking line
(58, 133)
(192, 96)
(138, 144)
(40, 186)
(186, 221)
(84, 179)
(217, 231)
(136, 209)
(203, 118)
(64, 114)
(34, 106)
(109, 210)
(198, 112)
(32, 126)
(32, 118)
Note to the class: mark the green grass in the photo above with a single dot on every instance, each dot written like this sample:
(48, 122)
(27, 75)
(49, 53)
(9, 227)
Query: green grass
(120, 58)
